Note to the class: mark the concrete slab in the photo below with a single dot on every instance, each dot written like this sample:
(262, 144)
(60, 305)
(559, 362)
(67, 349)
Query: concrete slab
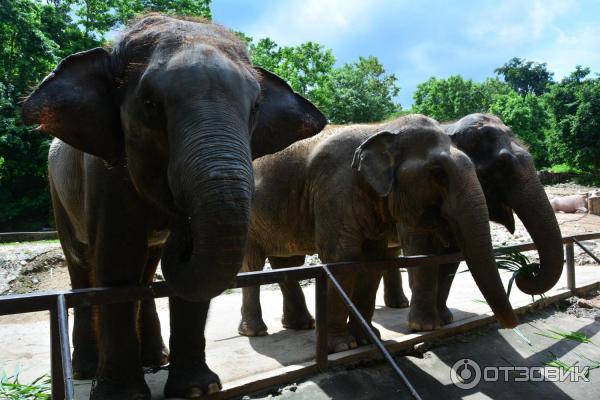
(489, 348)
(252, 363)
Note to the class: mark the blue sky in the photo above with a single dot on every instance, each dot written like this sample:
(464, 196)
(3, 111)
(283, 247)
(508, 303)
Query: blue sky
(419, 39)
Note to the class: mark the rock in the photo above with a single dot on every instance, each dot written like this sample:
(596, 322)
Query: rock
(583, 303)
(23, 262)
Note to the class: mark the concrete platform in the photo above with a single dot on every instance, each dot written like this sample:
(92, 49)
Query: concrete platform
(249, 364)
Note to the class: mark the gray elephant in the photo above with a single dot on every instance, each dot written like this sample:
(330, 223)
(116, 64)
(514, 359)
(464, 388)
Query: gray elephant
(510, 182)
(341, 193)
(154, 159)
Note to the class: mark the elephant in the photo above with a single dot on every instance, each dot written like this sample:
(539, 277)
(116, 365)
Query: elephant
(152, 160)
(510, 182)
(341, 193)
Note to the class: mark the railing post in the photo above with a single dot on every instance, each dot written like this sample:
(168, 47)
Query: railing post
(570, 266)
(65, 347)
(321, 322)
(56, 366)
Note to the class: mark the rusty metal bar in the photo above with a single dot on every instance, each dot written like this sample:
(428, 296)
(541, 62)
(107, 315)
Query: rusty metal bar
(570, 255)
(321, 322)
(584, 248)
(16, 304)
(65, 348)
(56, 366)
(370, 333)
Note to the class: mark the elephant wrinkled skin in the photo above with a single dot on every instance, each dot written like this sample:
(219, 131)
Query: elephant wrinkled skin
(510, 182)
(153, 158)
(341, 193)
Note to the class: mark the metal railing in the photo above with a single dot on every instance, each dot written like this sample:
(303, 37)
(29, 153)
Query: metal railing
(59, 302)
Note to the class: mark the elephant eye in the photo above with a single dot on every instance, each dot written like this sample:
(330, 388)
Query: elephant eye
(149, 103)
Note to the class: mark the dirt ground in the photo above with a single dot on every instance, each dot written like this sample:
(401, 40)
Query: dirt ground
(40, 266)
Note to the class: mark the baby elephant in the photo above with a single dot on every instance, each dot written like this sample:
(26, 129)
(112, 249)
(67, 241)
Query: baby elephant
(341, 193)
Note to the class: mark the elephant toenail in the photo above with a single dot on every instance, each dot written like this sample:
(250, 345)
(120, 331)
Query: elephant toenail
(194, 392)
(213, 388)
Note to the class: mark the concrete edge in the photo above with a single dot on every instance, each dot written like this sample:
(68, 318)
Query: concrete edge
(291, 373)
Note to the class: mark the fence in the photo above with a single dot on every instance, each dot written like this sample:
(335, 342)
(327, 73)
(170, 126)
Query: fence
(58, 303)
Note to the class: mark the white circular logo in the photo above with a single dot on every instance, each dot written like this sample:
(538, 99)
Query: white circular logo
(465, 373)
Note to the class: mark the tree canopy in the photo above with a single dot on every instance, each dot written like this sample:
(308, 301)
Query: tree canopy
(526, 76)
(560, 121)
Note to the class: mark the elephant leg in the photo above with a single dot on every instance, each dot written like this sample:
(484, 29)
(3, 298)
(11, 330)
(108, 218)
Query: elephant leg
(423, 314)
(295, 312)
(154, 351)
(85, 345)
(120, 374)
(393, 294)
(189, 376)
(446, 276)
(339, 338)
(252, 323)
(365, 291)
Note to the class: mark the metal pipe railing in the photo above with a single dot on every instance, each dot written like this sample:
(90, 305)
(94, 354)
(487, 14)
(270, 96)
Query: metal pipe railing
(58, 302)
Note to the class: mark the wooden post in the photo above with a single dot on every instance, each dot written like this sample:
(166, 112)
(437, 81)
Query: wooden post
(570, 266)
(56, 366)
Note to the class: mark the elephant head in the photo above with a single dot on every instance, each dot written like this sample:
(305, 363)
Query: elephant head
(510, 182)
(176, 104)
(432, 187)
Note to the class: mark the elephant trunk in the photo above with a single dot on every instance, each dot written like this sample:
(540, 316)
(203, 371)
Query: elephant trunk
(531, 204)
(470, 222)
(212, 184)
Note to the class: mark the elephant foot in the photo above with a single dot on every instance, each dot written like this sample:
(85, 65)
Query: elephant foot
(395, 299)
(85, 364)
(423, 320)
(446, 316)
(341, 342)
(121, 389)
(154, 356)
(301, 321)
(252, 327)
(191, 382)
(361, 337)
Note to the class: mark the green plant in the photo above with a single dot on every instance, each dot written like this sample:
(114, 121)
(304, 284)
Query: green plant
(557, 363)
(518, 264)
(560, 335)
(12, 389)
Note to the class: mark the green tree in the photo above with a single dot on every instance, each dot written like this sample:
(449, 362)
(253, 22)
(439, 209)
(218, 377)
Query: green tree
(575, 104)
(127, 9)
(453, 98)
(305, 67)
(526, 76)
(34, 36)
(358, 92)
(529, 118)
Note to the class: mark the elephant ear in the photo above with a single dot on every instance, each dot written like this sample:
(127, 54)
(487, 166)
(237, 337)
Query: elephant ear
(284, 116)
(75, 103)
(375, 162)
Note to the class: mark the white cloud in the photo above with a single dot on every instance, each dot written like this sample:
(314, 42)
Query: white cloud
(327, 22)
(568, 49)
(515, 22)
